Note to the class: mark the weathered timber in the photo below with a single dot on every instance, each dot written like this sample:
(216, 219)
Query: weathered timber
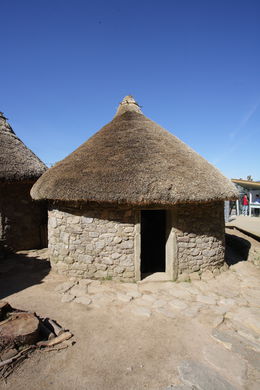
(57, 340)
(54, 327)
(22, 329)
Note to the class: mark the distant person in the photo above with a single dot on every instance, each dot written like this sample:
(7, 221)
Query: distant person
(257, 201)
(245, 205)
(232, 206)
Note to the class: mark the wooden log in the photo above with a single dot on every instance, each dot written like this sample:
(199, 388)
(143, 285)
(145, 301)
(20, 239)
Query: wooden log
(22, 329)
(49, 349)
(57, 340)
(7, 320)
(8, 361)
(15, 313)
(57, 329)
(8, 353)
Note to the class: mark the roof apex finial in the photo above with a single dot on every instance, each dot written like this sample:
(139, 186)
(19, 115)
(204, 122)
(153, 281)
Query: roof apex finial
(128, 104)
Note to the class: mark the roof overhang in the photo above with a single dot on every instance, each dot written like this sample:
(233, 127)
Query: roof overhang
(251, 185)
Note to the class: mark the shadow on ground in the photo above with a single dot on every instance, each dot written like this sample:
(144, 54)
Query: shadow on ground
(237, 249)
(19, 271)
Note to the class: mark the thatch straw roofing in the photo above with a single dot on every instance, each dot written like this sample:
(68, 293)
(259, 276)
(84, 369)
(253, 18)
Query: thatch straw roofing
(17, 162)
(133, 161)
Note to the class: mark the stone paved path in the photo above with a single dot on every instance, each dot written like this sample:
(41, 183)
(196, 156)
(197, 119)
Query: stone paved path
(224, 312)
(228, 303)
(246, 224)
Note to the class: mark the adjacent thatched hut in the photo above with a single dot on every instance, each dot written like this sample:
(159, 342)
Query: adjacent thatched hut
(134, 200)
(23, 222)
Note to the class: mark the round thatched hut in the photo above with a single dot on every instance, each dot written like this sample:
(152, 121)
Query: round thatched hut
(23, 222)
(134, 200)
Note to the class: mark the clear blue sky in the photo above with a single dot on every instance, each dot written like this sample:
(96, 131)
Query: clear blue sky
(193, 65)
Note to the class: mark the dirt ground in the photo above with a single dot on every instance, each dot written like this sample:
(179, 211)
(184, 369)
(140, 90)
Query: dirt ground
(120, 346)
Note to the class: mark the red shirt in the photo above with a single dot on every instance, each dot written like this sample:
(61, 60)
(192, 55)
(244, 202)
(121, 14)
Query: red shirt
(245, 201)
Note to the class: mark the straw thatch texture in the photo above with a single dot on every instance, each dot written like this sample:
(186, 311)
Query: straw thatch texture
(133, 161)
(17, 162)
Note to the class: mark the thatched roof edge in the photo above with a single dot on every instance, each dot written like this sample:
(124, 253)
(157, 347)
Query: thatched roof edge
(134, 161)
(17, 161)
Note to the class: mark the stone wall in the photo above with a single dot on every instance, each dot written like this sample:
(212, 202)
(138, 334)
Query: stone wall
(100, 243)
(200, 236)
(23, 222)
(92, 243)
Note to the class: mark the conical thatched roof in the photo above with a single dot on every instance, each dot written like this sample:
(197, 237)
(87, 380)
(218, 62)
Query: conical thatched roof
(17, 162)
(133, 161)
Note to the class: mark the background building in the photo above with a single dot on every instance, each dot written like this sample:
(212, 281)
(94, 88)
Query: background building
(23, 222)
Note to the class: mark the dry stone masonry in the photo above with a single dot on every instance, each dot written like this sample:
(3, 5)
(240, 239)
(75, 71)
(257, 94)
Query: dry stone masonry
(100, 243)
(200, 237)
(94, 244)
(23, 222)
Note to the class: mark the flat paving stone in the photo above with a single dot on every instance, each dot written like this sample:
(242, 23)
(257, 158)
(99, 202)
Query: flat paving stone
(83, 300)
(244, 269)
(227, 302)
(166, 312)
(226, 334)
(78, 290)
(124, 297)
(252, 296)
(95, 283)
(182, 294)
(99, 300)
(209, 318)
(203, 377)
(209, 300)
(66, 298)
(130, 286)
(144, 303)
(229, 363)
(207, 275)
(142, 311)
(177, 304)
(148, 298)
(221, 309)
(250, 351)
(159, 303)
(192, 310)
(134, 294)
(247, 317)
(146, 287)
(227, 292)
(85, 282)
(96, 289)
(202, 286)
(181, 387)
(64, 287)
(189, 287)
(109, 294)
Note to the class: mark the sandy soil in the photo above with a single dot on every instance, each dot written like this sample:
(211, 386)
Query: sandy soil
(113, 350)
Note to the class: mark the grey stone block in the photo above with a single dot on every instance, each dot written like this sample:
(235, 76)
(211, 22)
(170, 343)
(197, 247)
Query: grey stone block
(203, 377)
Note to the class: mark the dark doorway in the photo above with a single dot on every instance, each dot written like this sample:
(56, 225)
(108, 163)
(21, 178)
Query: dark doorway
(153, 232)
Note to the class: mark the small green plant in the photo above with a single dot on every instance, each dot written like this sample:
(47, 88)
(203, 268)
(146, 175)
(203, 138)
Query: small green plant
(108, 277)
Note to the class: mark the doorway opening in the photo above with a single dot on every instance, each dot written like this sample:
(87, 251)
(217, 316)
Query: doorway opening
(153, 241)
